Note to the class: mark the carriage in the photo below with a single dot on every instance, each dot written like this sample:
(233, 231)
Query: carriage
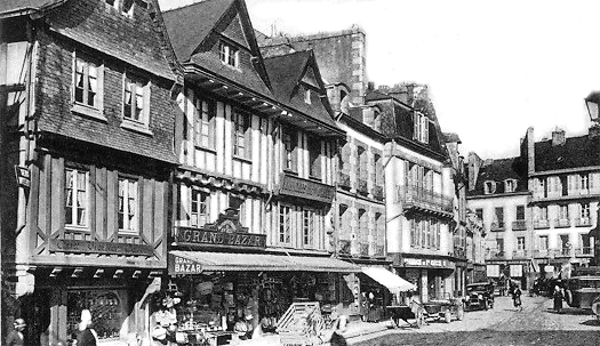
(442, 309)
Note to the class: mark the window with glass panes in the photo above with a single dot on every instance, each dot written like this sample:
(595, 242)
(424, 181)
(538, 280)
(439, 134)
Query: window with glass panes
(543, 242)
(308, 227)
(520, 212)
(229, 54)
(133, 104)
(290, 144)
(86, 83)
(238, 202)
(285, 227)
(76, 197)
(241, 137)
(199, 209)
(520, 243)
(584, 210)
(128, 205)
(204, 123)
(563, 212)
(314, 153)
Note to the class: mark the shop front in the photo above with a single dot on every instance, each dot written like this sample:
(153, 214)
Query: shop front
(433, 276)
(221, 277)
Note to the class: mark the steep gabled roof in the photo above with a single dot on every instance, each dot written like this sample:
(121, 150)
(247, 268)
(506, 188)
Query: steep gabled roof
(190, 25)
(286, 73)
(195, 30)
(576, 152)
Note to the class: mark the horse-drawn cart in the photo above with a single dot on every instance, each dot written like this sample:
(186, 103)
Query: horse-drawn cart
(420, 312)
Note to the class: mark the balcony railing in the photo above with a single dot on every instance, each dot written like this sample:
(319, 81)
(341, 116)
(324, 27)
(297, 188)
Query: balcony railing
(561, 223)
(418, 197)
(542, 253)
(583, 222)
(497, 226)
(377, 192)
(494, 254)
(519, 225)
(521, 254)
(571, 194)
(343, 180)
(542, 223)
(584, 251)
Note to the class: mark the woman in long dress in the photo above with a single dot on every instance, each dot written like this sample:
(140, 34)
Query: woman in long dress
(558, 298)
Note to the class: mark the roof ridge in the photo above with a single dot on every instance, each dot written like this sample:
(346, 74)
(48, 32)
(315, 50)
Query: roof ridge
(316, 36)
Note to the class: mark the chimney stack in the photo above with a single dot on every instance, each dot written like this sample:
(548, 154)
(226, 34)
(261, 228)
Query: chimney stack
(558, 137)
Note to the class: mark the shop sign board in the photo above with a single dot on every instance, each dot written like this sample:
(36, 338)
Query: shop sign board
(493, 270)
(516, 270)
(303, 188)
(427, 262)
(226, 232)
(180, 265)
(100, 247)
(209, 238)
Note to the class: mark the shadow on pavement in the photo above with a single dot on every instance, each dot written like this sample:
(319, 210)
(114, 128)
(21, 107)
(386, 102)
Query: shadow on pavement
(570, 311)
(488, 337)
(594, 322)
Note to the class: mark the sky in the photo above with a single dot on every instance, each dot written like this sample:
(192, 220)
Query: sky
(494, 68)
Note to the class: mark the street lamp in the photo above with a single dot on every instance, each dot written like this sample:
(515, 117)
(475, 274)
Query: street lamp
(592, 102)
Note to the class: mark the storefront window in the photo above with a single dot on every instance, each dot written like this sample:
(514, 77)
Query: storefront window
(105, 307)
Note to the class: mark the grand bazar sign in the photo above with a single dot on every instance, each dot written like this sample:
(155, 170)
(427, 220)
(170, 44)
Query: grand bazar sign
(426, 262)
(225, 232)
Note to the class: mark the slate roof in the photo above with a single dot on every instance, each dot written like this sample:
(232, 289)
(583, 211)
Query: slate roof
(499, 170)
(188, 26)
(285, 71)
(577, 152)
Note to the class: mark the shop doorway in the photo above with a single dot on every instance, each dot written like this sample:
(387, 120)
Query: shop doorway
(35, 310)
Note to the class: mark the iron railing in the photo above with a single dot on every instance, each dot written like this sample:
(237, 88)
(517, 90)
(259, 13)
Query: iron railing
(413, 195)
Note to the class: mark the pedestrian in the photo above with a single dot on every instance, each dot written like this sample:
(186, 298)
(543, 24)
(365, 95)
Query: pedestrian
(516, 296)
(558, 298)
(87, 336)
(15, 337)
(338, 338)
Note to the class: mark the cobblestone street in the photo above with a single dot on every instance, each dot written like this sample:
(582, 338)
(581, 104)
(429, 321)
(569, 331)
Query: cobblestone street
(537, 324)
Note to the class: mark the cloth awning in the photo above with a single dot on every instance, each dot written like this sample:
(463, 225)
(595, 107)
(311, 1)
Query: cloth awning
(195, 262)
(391, 281)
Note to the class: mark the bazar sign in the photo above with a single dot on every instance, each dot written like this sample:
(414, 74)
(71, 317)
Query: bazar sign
(84, 246)
(425, 262)
(181, 265)
(196, 236)
(298, 187)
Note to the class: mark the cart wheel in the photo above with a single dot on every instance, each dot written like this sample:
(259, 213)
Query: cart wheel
(460, 312)
(420, 317)
(447, 316)
(395, 323)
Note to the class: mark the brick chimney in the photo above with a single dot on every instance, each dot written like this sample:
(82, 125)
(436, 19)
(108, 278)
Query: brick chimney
(558, 137)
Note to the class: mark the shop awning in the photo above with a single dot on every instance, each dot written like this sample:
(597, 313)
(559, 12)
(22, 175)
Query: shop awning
(391, 281)
(195, 262)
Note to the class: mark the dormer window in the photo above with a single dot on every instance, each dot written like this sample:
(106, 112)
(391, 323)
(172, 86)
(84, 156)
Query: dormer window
(421, 128)
(489, 187)
(510, 185)
(229, 55)
(307, 96)
(125, 7)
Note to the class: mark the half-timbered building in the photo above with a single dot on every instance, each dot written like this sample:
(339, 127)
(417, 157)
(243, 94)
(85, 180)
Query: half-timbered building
(88, 124)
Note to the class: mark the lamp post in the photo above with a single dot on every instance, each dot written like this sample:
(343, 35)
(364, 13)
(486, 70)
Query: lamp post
(592, 103)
